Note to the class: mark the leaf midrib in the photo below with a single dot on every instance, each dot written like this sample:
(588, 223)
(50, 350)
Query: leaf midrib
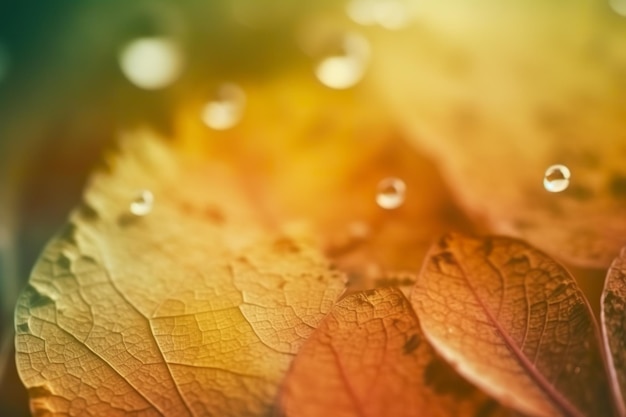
(555, 396)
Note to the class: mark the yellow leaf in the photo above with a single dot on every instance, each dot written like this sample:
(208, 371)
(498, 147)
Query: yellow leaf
(191, 306)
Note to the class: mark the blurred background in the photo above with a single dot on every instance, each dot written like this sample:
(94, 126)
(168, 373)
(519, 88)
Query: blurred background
(73, 74)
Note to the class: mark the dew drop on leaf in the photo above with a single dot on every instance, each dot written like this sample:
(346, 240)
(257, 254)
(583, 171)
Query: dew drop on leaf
(142, 204)
(346, 66)
(226, 108)
(556, 178)
(391, 193)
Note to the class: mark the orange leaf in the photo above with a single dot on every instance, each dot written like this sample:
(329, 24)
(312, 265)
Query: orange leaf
(514, 322)
(193, 308)
(369, 358)
(614, 326)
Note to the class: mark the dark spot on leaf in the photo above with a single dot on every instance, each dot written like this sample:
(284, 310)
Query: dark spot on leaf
(444, 242)
(519, 264)
(559, 290)
(442, 378)
(35, 299)
(64, 261)
(87, 212)
(579, 320)
(617, 186)
(23, 328)
(411, 344)
(443, 260)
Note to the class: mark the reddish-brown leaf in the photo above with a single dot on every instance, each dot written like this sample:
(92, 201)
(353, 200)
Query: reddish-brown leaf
(614, 326)
(369, 358)
(513, 321)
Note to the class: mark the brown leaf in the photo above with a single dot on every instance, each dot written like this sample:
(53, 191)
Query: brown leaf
(614, 325)
(514, 322)
(497, 93)
(195, 308)
(369, 358)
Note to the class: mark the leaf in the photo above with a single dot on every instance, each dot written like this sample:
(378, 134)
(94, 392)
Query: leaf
(314, 158)
(196, 308)
(369, 358)
(614, 325)
(513, 321)
(497, 93)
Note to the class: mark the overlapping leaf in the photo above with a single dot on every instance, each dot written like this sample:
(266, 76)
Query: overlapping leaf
(515, 323)
(369, 358)
(614, 326)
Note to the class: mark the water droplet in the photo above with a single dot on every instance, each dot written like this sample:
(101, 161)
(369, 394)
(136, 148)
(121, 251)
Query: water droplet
(391, 193)
(390, 14)
(618, 6)
(151, 63)
(344, 69)
(556, 178)
(142, 204)
(226, 108)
